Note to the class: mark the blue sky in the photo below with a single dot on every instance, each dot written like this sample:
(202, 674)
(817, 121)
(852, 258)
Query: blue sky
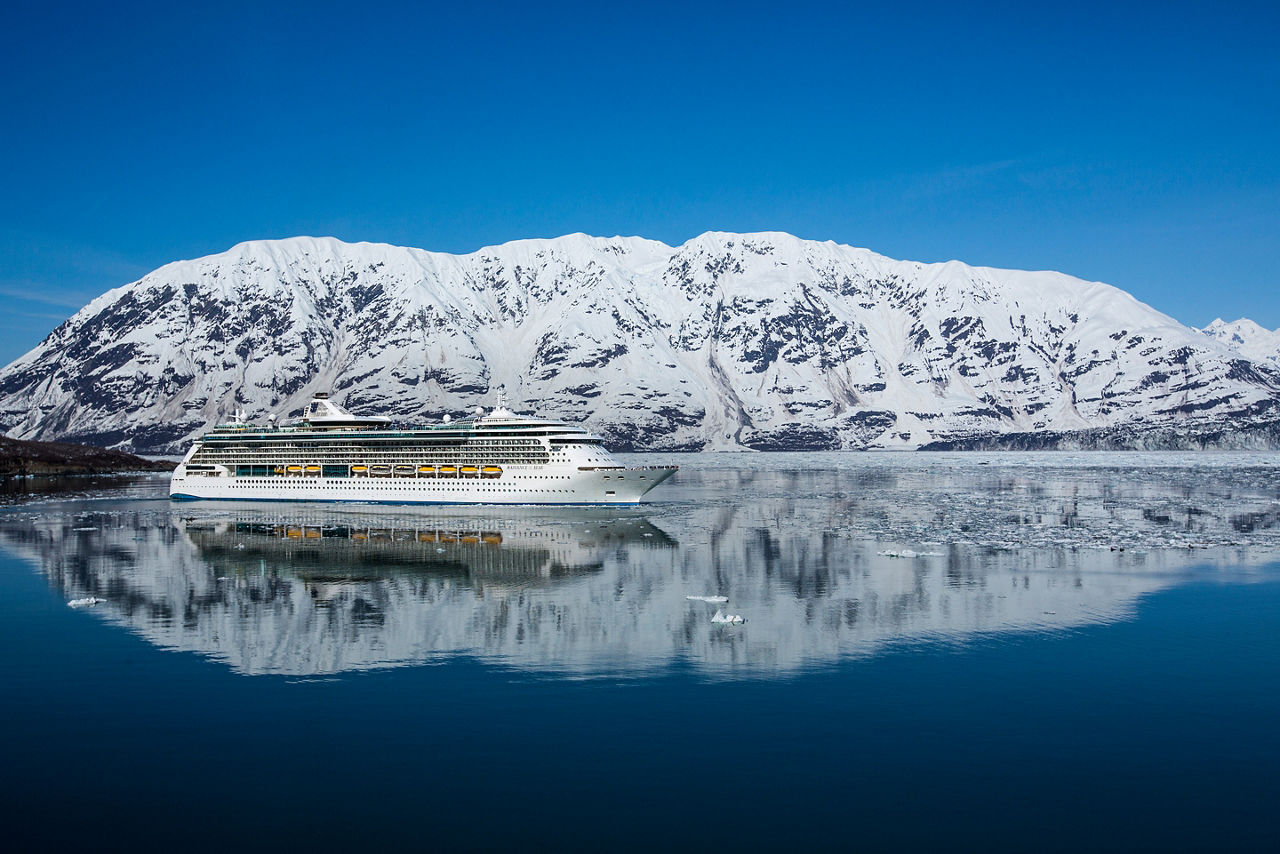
(1135, 144)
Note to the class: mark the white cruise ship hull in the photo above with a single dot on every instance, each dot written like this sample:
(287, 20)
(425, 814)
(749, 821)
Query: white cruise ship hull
(516, 485)
(333, 455)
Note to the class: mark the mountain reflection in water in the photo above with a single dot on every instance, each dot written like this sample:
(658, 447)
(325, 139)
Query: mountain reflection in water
(823, 566)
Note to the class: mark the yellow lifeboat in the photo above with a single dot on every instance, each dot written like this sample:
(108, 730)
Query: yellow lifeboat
(294, 469)
(469, 538)
(493, 538)
(426, 536)
(278, 470)
(359, 535)
(426, 471)
(359, 469)
(313, 469)
(293, 532)
(448, 471)
(491, 471)
(469, 471)
(313, 534)
(446, 538)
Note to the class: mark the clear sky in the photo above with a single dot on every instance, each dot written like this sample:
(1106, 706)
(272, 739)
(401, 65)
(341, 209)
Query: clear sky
(1137, 144)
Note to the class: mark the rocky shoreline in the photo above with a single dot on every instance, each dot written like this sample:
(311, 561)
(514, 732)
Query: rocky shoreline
(20, 458)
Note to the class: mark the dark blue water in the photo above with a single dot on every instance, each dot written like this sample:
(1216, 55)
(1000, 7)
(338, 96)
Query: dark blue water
(1120, 702)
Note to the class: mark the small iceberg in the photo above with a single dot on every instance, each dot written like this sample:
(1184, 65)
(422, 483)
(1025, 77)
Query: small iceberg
(722, 617)
(712, 599)
(85, 602)
(909, 553)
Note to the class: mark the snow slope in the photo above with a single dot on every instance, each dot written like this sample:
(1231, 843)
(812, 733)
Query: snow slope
(1247, 338)
(756, 340)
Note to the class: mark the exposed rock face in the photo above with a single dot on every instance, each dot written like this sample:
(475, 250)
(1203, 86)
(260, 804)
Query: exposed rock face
(759, 341)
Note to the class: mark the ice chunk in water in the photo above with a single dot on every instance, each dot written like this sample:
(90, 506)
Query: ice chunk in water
(85, 602)
(722, 617)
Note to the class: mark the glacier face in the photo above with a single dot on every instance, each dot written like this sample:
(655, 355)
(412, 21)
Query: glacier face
(761, 341)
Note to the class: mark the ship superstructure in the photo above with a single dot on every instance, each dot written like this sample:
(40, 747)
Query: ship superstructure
(333, 455)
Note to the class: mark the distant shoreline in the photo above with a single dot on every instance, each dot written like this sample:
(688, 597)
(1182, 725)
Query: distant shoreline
(20, 458)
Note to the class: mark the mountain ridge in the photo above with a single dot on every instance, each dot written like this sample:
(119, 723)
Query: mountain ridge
(729, 340)
(1252, 340)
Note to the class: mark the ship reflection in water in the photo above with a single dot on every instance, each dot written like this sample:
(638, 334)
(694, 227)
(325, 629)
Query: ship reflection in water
(604, 592)
(481, 556)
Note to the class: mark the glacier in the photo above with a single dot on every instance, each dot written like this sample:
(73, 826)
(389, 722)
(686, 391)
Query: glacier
(730, 341)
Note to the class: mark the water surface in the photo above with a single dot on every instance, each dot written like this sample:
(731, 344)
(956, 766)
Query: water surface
(963, 651)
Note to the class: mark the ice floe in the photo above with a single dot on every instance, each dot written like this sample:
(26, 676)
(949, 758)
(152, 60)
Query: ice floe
(909, 553)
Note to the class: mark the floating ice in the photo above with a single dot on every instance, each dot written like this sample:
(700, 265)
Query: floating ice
(708, 598)
(722, 617)
(85, 602)
(909, 553)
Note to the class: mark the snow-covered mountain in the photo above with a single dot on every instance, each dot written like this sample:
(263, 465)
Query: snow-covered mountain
(758, 340)
(1252, 341)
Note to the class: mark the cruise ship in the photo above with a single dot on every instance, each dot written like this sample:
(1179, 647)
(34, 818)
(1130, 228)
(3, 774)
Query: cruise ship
(333, 455)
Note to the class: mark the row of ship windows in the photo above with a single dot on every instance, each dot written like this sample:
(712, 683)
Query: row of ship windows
(408, 447)
(241, 455)
(363, 447)
(376, 439)
(329, 479)
(506, 465)
(241, 482)
(434, 435)
(345, 466)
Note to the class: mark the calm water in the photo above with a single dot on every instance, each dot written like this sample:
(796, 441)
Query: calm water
(973, 652)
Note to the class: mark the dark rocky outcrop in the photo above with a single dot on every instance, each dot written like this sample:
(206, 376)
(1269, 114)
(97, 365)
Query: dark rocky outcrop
(19, 458)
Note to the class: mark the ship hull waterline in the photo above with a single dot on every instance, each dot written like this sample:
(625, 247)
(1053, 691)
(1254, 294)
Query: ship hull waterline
(623, 488)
